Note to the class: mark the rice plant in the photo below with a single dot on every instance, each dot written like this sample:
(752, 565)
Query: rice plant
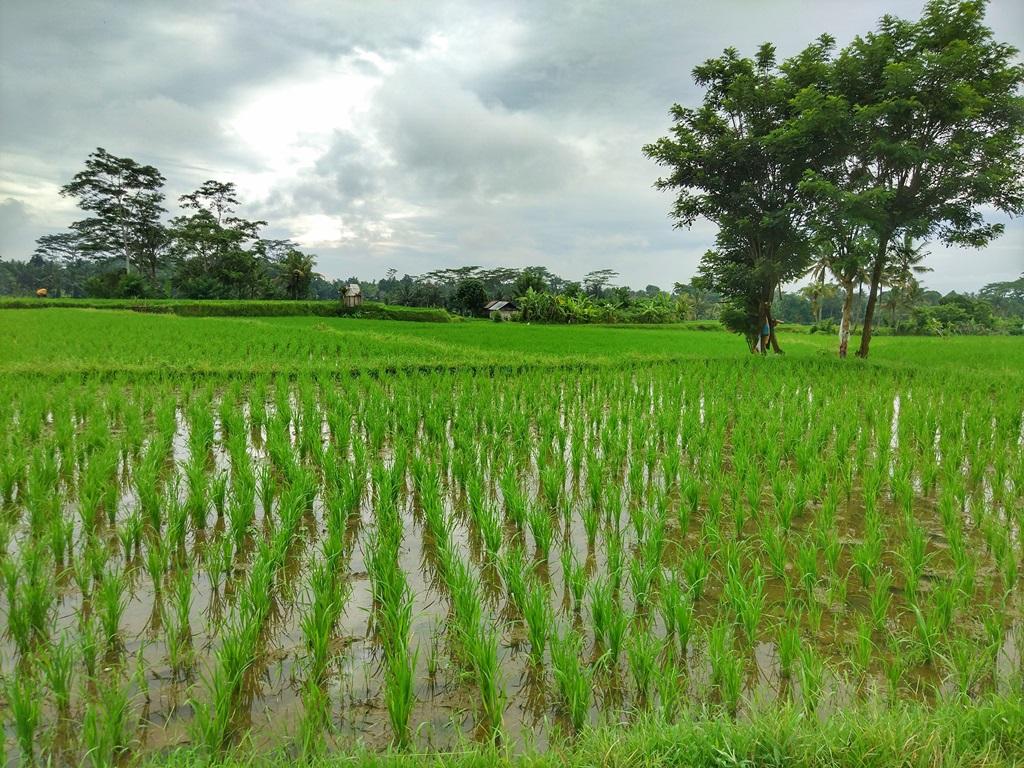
(696, 567)
(59, 668)
(881, 598)
(539, 521)
(284, 518)
(24, 702)
(538, 615)
(812, 675)
(483, 648)
(107, 726)
(572, 678)
(788, 648)
(112, 604)
(727, 666)
(642, 654)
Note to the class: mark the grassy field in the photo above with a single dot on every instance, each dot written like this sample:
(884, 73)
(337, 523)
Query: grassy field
(256, 540)
(85, 342)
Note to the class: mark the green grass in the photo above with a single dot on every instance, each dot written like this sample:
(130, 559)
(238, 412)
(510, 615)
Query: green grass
(987, 735)
(642, 546)
(66, 341)
(239, 308)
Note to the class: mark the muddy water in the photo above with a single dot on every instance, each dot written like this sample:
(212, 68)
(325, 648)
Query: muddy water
(447, 698)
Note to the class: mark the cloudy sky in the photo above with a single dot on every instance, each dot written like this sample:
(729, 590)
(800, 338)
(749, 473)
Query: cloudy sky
(411, 135)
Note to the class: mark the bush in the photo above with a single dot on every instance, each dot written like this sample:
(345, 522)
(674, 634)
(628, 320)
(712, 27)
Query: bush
(827, 326)
(540, 307)
(960, 316)
(118, 285)
(242, 308)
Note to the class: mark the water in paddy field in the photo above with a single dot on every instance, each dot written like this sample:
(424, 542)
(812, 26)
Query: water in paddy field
(887, 546)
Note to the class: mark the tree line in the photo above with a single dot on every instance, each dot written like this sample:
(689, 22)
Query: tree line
(845, 162)
(123, 248)
(906, 306)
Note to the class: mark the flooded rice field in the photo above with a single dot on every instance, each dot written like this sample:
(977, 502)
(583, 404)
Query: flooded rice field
(427, 560)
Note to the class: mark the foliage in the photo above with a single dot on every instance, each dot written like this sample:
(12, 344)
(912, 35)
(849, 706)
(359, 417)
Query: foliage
(582, 308)
(125, 200)
(208, 247)
(935, 127)
(209, 252)
(470, 297)
(954, 314)
(841, 162)
(262, 308)
(1007, 299)
(737, 160)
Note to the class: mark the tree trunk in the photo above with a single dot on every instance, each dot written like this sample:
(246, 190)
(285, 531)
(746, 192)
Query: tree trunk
(844, 326)
(771, 330)
(819, 298)
(869, 311)
(774, 340)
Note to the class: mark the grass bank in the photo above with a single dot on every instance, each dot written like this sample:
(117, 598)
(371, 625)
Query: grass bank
(241, 308)
(982, 733)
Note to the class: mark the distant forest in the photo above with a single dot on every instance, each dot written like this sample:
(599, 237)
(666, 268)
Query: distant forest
(996, 308)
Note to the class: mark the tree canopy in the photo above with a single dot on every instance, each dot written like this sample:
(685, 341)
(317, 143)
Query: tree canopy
(738, 160)
(909, 133)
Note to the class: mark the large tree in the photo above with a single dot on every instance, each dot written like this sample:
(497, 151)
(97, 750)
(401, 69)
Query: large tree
(62, 247)
(65, 255)
(597, 282)
(292, 269)
(125, 200)
(936, 125)
(470, 296)
(211, 246)
(738, 160)
(1007, 299)
(531, 278)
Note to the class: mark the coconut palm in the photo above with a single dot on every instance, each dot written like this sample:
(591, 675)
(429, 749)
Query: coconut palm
(296, 273)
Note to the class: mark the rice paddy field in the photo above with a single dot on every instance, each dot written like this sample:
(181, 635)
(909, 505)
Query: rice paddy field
(271, 539)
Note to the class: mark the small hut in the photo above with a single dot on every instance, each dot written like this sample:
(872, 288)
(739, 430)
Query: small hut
(353, 295)
(505, 309)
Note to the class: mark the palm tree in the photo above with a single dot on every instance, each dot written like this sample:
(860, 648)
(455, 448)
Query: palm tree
(296, 273)
(904, 289)
(816, 293)
(905, 262)
(844, 251)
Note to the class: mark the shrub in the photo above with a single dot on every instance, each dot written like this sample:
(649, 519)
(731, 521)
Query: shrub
(241, 308)
(827, 326)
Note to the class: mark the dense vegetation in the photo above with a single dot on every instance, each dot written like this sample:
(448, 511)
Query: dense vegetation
(125, 249)
(546, 298)
(308, 536)
(843, 161)
(232, 308)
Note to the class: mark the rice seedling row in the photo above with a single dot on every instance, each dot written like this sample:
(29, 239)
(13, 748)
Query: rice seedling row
(419, 560)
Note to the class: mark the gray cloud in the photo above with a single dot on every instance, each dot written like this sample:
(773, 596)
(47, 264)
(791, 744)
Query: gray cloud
(404, 134)
(17, 228)
(452, 145)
